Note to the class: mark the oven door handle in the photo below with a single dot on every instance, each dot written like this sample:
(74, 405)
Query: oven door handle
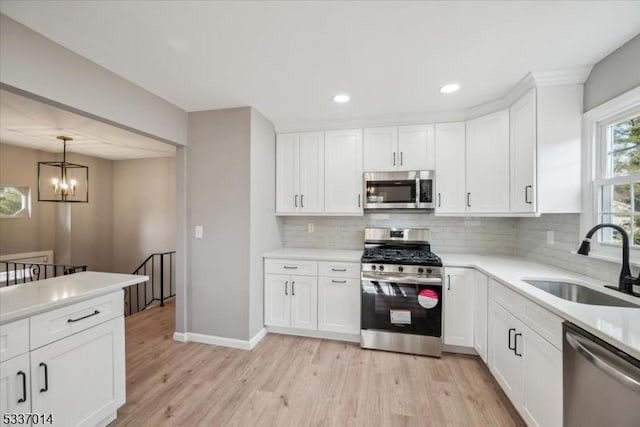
(437, 281)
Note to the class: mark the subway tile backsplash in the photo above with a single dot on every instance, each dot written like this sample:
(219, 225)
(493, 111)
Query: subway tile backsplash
(523, 237)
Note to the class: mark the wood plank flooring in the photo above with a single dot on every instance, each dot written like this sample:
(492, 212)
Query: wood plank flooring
(294, 381)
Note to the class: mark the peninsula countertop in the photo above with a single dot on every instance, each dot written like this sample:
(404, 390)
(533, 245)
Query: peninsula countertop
(27, 299)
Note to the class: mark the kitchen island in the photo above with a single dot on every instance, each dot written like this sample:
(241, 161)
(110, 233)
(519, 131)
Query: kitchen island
(62, 349)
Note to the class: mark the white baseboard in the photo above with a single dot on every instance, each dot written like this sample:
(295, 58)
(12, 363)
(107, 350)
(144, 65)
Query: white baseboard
(221, 341)
(314, 334)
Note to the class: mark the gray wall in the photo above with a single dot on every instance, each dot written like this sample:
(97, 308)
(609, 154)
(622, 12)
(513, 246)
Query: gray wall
(613, 75)
(144, 220)
(19, 166)
(462, 235)
(32, 63)
(219, 194)
(265, 232)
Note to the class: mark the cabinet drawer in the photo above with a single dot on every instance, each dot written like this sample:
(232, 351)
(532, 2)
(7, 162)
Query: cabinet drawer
(339, 269)
(506, 297)
(56, 324)
(14, 339)
(293, 267)
(545, 323)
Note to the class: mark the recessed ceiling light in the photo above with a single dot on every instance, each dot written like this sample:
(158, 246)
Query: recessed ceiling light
(341, 98)
(450, 88)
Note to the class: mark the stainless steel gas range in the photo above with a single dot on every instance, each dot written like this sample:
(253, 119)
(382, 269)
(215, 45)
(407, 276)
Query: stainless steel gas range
(401, 292)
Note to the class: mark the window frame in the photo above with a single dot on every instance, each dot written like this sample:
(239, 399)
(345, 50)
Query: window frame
(595, 168)
(25, 190)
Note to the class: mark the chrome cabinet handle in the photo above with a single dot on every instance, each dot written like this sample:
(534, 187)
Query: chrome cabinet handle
(358, 200)
(338, 281)
(449, 282)
(515, 344)
(339, 269)
(401, 158)
(439, 199)
(24, 387)
(46, 377)
(469, 200)
(295, 200)
(294, 267)
(293, 288)
(302, 201)
(95, 313)
(526, 194)
(286, 291)
(394, 158)
(509, 333)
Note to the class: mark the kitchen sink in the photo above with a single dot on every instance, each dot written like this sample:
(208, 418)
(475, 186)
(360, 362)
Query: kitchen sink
(578, 293)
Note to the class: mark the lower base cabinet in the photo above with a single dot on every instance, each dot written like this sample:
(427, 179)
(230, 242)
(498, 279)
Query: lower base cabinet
(291, 301)
(527, 367)
(339, 305)
(480, 308)
(15, 388)
(458, 306)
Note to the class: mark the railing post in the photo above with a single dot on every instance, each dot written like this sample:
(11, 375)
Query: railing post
(162, 280)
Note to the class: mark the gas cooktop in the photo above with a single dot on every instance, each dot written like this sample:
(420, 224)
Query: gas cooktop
(406, 256)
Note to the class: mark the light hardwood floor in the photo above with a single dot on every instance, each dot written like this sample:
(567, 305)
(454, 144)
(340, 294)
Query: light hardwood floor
(294, 381)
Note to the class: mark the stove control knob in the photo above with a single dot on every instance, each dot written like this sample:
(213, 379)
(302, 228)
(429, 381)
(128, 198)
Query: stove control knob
(420, 270)
(400, 269)
(373, 267)
(381, 268)
(429, 271)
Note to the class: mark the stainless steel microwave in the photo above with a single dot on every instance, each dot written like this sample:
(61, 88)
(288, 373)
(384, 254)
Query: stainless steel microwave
(399, 190)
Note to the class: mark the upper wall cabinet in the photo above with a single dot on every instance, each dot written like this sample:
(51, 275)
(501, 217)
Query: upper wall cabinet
(487, 163)
(343, 171)
(401, 148)
(450, 168)
(522, 123)
(300, 173)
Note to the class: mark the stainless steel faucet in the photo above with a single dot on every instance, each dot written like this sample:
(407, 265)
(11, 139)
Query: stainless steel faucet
(626, 280)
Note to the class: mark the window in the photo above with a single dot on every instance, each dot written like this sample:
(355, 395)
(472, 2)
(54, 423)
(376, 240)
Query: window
(15, 202)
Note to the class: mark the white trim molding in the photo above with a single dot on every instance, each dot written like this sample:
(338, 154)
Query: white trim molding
(220, 341)
(336, 336)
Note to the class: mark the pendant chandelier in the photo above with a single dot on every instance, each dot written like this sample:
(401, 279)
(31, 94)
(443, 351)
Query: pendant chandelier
(63, 181)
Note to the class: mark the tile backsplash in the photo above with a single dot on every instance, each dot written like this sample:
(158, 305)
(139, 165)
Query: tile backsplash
(495, 236)
(523, 237)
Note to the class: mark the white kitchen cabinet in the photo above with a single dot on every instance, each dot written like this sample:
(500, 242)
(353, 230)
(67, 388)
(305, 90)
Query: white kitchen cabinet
(300, 173)
(450, 168)
(458, 306)
(505, 365)
(343, 171)
(480, 306)
(80, 379)
(487, 163)
(15, 386)
(339, 305)
(522, 124)
(403, 148)
(291, 301)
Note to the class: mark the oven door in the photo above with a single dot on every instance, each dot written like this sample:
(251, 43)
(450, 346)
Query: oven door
(402, 304)
(391, 190)
(427, 184)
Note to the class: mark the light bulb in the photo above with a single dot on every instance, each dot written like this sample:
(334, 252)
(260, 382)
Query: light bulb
(55, 181)
(73, 182)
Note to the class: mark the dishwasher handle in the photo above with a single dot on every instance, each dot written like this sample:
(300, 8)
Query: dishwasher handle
(612, 366)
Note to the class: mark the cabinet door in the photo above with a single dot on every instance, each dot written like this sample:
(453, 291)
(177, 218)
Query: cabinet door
(343, 171)
(304, 302)
(458, 307)
(277, 301)
(450, 167)
(287, 173)
(15, 386)
(416, 147)
(311, 193)
(480, 314)
(504, 364)
(80, 379)
(522, 123)
(542, 394)
(487, 163)
(380, 149)
(339, 305)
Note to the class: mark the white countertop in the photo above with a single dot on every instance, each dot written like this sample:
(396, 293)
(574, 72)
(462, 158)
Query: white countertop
(619, 326)
(20, 301)
(342, 255)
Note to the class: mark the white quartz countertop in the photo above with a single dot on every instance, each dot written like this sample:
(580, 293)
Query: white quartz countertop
(619, 326)
(20, 301)
(343, 255)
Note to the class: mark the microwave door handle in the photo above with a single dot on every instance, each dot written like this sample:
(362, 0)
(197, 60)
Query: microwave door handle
(418, 191)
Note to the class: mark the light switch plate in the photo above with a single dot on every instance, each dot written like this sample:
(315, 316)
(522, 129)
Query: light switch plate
(310, 227)
(550, 237)
(199, 232)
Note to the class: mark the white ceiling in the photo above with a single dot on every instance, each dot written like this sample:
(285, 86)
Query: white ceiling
(33, 124)
(289, 58)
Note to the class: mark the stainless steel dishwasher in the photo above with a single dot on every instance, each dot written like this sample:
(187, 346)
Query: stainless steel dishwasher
(601, 383)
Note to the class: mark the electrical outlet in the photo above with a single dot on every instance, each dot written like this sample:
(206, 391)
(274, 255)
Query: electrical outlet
(310, 227)
(199, 232)
(549, 237)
